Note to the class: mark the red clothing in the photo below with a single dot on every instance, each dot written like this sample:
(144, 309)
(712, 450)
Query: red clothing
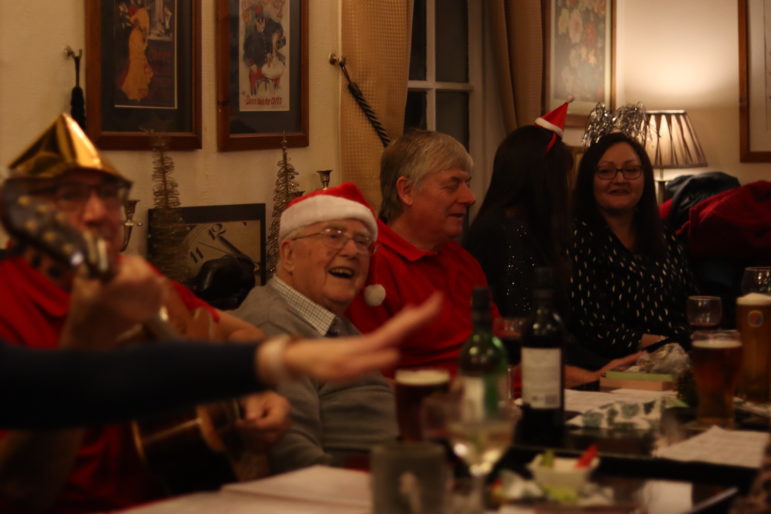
(734, 223)
(409, 276)
(107, 473)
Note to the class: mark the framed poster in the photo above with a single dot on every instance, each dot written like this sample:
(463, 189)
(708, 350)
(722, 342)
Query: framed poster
(143, 73)
(223, 250)
(262, 73)
(580, 56)
(754, 86)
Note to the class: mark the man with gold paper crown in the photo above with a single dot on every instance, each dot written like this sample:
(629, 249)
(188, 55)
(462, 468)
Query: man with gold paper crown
(77, 469)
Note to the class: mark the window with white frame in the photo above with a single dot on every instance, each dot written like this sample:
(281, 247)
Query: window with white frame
(444, 88)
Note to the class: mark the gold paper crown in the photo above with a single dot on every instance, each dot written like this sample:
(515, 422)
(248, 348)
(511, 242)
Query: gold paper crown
(61, 148)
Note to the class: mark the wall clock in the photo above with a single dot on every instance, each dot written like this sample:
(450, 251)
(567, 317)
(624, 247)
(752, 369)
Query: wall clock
(222, 243)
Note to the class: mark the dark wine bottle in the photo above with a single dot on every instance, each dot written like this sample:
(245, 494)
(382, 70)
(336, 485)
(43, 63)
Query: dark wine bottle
(482, 362)
(543, 345)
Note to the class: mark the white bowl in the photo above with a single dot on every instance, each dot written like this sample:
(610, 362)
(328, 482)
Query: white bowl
(563, 475)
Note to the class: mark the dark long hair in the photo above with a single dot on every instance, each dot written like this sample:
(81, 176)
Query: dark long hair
(534, 181)
(648, 228)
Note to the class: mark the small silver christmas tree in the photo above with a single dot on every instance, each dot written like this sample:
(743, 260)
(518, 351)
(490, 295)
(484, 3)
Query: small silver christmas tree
(168, 227)
(285, 191)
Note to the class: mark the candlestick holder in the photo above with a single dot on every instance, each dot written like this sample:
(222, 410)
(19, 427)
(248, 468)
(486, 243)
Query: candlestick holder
(129, 223)
(324, 177)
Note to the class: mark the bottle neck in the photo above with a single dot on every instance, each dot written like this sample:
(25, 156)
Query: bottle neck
(481, 320)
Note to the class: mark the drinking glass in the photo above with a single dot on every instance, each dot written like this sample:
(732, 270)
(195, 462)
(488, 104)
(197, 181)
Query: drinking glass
(756, 279)
(703, 312)
(716, 358)
(509, 331)
(411, 387)
(478, 438)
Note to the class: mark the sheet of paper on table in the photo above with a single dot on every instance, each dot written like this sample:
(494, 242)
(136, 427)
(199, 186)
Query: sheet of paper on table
(313, 490)
(719, 446)
(583, 401)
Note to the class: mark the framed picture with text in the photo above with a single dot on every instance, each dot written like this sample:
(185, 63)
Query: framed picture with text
(580, 56)
(143, 73)
(262, 73)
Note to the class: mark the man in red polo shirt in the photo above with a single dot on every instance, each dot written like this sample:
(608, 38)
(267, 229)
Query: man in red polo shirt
(424, 181)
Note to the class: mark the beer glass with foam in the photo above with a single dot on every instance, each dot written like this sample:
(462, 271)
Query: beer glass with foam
(411, 386)
(716, 358)
(753, 319)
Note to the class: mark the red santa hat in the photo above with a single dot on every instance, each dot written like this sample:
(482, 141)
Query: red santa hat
(340, 202)
(555, 121)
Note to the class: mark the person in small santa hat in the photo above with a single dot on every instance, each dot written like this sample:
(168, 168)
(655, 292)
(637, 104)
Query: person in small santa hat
(326, 241)
(524, 220)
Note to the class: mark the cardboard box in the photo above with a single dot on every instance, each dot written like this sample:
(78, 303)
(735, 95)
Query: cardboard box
(636, 380)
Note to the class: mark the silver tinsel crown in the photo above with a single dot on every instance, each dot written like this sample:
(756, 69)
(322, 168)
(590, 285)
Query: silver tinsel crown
(627, 119)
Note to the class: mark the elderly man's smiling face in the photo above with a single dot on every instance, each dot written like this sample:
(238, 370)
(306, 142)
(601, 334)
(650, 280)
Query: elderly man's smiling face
(327, 262)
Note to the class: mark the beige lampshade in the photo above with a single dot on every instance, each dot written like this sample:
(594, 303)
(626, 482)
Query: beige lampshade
(672, 142)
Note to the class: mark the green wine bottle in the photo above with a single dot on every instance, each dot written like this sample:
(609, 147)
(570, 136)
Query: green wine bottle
(482, 362)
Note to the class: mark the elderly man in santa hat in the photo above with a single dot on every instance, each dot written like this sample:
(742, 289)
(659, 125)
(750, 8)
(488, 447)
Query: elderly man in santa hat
(325, 245)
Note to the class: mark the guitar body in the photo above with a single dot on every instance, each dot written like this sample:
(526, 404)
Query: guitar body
(193, 449)
(197, 448)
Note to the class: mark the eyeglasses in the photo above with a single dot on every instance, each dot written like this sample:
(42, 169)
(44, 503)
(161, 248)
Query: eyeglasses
(72, 196)
(336, 239)
(610, 172)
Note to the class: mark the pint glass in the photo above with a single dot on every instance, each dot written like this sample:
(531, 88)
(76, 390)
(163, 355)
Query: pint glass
(412, 385)
(716, 358)
(753, 319)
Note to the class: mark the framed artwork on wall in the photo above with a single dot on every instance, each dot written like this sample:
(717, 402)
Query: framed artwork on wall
(579, 56)
(262, 73)
(143, 73)
(754, 88)
(223, 250)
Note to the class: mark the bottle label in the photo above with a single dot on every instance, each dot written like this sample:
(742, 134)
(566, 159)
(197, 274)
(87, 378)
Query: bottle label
(473, 397)
(541, 377)
(481, 396)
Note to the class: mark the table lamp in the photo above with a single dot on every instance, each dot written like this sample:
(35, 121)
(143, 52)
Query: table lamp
(672, 143)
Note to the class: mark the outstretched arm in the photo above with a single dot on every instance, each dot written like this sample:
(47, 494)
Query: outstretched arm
(84, 386)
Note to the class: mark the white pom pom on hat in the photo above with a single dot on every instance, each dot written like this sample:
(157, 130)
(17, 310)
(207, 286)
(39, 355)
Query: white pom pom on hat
(374, 294)
(345, 201)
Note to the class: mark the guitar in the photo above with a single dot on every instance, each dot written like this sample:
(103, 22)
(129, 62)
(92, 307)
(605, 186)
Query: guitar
(193, 449)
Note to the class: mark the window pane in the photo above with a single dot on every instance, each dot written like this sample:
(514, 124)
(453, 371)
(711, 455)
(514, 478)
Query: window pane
(418, 50)
(415, 113)
(451, 41)
(452, 114)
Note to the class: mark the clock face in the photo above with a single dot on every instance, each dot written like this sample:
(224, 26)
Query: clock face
(212, 240)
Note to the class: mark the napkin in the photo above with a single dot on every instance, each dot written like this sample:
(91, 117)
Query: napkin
(624, 415)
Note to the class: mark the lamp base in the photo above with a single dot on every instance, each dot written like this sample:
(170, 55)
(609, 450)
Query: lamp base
(661, 187)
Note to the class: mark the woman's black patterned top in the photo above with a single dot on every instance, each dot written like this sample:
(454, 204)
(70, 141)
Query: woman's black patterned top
(617, 296)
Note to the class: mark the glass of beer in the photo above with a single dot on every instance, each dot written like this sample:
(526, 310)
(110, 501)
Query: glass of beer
(716, 358)
(753, 319)
(412, 385)
(756, 279)
(703, 312)
(509, 331)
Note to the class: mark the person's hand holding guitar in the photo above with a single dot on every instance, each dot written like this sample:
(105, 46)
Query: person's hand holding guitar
(102, 310)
